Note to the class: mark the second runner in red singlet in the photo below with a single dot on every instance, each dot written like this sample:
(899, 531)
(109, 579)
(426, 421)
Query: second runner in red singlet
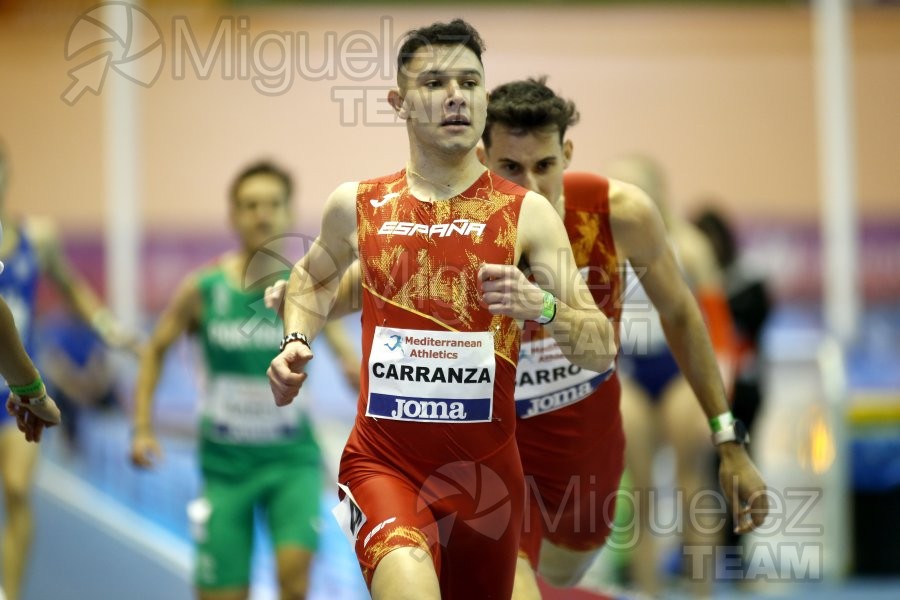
(570, 429)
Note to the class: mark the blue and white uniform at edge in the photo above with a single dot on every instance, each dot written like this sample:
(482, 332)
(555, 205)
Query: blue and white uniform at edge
(18, 286)
(646, 357)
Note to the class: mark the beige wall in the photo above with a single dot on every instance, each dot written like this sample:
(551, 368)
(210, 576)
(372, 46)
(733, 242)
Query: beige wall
(724, 98)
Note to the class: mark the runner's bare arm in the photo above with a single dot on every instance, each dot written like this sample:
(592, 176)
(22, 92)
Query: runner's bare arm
(344, 351)
(33, 410)
(181, 316)
(349, 295)
(312, 288)
(15, 364)
(639, 230)
(75, 290)
(316, 277)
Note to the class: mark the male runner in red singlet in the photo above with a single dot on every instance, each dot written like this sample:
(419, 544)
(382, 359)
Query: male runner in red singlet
(431, 479)
(570, 432)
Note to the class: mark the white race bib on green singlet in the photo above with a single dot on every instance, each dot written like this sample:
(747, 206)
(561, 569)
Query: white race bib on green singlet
(241, 409)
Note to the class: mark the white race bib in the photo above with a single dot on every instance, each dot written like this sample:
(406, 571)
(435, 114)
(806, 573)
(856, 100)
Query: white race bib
(242, 409)
(546, 380)
(349, 515)
(431, 376)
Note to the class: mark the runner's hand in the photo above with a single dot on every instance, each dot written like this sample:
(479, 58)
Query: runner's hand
(286, 372)
(33, 414)
(744, 488)
(506, 291)
(145, 449)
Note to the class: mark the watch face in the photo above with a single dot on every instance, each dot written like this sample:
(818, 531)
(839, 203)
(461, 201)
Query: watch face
(740, 432)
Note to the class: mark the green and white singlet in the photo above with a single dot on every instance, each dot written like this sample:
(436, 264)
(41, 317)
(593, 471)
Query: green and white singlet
(241, 427)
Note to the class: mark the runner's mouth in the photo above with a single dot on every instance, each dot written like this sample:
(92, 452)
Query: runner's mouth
(455, 120)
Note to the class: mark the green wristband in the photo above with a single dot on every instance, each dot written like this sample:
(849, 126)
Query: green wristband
(31, 389)
(548, 309)
(721, 422)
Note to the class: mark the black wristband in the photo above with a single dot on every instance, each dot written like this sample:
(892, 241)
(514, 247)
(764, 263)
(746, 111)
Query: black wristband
(294, 337)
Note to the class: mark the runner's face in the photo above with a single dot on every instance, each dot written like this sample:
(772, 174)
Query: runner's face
(444, 98)
(535, 160)
(260, 210)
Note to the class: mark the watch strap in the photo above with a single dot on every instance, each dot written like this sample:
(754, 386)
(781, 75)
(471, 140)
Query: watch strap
(295, 336)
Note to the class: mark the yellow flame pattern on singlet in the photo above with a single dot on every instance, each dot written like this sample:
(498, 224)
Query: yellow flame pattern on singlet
(428, 280)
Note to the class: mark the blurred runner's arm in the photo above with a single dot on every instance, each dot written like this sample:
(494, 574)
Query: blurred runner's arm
(181, 316)
(33, 409)
(76, 292)
(15, 365)
(344, 351)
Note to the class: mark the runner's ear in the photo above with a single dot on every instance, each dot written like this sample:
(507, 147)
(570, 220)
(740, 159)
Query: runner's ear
(398, 103)
(568, 149)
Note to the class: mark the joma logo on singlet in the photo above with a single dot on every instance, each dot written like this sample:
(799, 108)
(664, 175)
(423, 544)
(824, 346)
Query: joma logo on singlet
(407, 408)
(459, 226)
(537, 406)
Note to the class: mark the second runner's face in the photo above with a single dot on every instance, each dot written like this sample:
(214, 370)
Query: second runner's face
(260, 210)
(444, 98)
(535, 160)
